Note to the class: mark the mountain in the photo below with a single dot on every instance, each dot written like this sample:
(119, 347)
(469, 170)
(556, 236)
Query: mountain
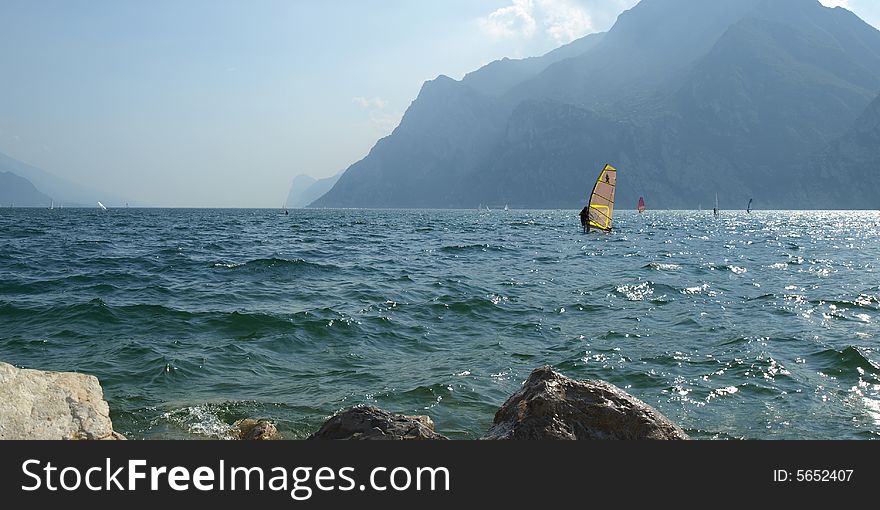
(62, 190)
(846, 170)
(19, 191)
(687, 98)
(306, 189)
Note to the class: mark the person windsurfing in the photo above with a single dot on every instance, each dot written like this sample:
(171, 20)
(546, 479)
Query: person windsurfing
(585, 219)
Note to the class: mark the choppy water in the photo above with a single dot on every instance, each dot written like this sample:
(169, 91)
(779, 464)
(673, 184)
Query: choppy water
(750, 326)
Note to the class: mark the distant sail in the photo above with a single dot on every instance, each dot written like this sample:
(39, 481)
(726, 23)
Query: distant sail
(641, 205)
(749, 208)
(602, 199)
(102, 206)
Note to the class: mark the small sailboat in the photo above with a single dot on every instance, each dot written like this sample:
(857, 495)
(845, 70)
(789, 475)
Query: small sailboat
(52, 206)
(601, 208)
(506, 208)
(715, 211)
(103, 208)
(749, 207)
(641, 205)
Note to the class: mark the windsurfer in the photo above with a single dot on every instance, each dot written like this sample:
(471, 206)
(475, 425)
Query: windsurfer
(585, 219)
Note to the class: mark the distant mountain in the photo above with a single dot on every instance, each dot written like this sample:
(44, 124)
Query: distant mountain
(306, 189)
(295, 197)
(62, 190)
(687, 98)
(21, 192)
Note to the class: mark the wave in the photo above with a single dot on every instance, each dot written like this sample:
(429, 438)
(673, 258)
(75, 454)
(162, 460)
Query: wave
(273, 263)
(662, 267)
(471, 248)
(850, 361)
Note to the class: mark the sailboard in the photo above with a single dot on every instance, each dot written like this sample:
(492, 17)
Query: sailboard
(749, 208)
(641, 205)
(103, 208)
(602, 199)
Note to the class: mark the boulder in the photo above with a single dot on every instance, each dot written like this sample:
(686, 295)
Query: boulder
(52, 405)
(368, 422)
(254, 430)
(552, 406)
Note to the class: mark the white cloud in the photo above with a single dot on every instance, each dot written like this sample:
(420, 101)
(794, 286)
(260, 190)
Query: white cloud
(514, 20)
(561, 20)
(374, 102)
(383, 121)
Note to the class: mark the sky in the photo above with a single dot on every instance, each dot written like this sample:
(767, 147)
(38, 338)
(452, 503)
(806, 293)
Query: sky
(213, 103)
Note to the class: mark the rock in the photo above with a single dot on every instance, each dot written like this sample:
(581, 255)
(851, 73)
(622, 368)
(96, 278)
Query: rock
(552, 406)
(254, 430)
(368, 422)
(52, 405)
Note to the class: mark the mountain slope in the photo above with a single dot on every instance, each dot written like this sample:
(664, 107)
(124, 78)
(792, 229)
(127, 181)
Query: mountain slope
(498, 77)
(848, 169)
(439, 142)
(62, 190)
(21, 192)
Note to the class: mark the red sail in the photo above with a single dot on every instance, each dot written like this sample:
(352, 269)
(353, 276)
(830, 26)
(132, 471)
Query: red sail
(641, 204)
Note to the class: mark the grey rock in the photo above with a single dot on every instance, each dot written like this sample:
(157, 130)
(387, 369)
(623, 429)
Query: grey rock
(52, 405)
(552, 406)
(255, 430)
(368, 422)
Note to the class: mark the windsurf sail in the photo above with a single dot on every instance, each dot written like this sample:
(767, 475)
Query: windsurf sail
(102, 206)
(749, 208)
(641, 205)
(602, 199)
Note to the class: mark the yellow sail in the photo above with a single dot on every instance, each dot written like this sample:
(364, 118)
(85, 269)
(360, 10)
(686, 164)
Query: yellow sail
(602, 199)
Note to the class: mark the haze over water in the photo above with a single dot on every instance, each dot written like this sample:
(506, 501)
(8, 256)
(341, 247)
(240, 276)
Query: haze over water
(760, 326)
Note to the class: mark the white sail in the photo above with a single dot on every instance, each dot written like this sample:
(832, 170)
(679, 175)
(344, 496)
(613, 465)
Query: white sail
(102, 206)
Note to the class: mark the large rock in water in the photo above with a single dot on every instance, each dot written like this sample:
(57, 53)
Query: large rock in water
(52, 405)
(368, 422)
(552, 406)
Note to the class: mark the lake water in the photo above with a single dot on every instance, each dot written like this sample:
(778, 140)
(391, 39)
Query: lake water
(761, 325)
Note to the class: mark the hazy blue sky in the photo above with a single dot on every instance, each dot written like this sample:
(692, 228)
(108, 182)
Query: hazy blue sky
(222, 103)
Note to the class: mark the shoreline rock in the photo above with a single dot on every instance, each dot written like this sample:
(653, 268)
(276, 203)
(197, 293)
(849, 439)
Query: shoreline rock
(36, 404)
(552, 406)
(368, 422)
